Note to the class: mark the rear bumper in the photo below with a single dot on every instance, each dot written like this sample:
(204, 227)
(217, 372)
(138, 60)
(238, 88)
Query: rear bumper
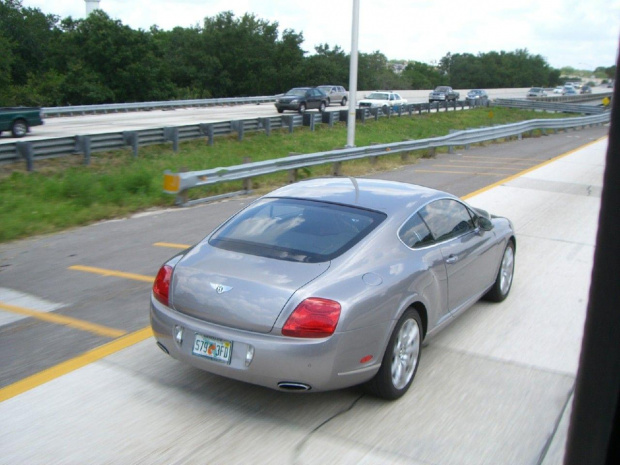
(321, 364)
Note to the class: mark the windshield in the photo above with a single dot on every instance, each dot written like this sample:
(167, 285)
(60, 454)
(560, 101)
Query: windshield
(297, 92)
(296, 230)
(441, 89)
(378, 96)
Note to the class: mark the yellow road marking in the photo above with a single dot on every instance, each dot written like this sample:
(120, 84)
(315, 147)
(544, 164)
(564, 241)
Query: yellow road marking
(490, 162)
(458, 172)
(80, 361)
(171, 245)
(524, 172)
(480, 157)
(505, 168)
(119, 274)
(65, 320)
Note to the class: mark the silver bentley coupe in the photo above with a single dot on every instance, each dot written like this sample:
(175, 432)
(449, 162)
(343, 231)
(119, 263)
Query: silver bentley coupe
(330, 283)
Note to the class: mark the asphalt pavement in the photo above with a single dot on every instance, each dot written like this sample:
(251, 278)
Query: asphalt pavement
(493, 388)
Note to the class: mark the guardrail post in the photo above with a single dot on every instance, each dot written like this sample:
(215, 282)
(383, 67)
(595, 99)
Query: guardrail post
(207, 130)
(172, 134)
(337, 168)
(26, 150)
(247, 182)
(289, 121)
(308, 120)
(266, 124)
(131, 138)
(239, 127)
(328, 117)
(82, 145)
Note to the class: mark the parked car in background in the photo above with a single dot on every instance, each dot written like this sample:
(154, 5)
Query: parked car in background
(536, 92)
(329, 283)
(443, 94)
(335, 94)
(382, 99)
(585, 90)
(301, 99)
(477, 94)
(569, 90)
(19, 120)
(558, 90)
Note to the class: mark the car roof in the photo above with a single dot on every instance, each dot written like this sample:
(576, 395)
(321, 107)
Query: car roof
(391, 197)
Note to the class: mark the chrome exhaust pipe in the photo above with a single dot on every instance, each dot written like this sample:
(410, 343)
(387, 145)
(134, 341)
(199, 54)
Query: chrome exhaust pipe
(291, 386)
(162, 347)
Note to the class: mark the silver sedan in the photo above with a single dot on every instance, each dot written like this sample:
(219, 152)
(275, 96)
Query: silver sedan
(330, 283)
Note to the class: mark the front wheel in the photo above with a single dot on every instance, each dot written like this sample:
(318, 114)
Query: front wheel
(19, 128)
(503, 281)
(344, 101)
(401, 358)
(322, 107)
(302, 108)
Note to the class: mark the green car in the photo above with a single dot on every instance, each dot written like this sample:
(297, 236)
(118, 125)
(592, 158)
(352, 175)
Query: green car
(18, 120)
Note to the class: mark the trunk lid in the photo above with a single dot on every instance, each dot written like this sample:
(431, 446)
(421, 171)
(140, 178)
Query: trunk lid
(237, 290)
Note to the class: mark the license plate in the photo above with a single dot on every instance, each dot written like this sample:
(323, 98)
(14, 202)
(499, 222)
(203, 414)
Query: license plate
(212, 348)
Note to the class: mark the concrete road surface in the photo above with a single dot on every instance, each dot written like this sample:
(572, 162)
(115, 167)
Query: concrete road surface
(494, 388)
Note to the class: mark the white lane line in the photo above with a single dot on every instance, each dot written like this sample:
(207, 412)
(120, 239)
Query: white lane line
(19, 299)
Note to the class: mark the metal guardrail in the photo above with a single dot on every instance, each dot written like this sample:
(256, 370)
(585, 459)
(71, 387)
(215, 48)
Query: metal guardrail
(549, 105)
(31, 151)
(145, 106)
(180, 183)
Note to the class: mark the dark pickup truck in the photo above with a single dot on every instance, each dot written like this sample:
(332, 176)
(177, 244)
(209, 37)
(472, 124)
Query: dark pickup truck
(18, 120)
(443, 94)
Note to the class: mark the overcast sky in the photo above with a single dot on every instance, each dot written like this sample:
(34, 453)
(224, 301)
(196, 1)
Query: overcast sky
(579, 33)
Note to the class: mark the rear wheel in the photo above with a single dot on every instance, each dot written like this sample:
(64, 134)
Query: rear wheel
(19, 128)
(401, 358)
(503, 281)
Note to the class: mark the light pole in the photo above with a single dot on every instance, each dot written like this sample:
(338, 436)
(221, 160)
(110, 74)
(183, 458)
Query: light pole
(91, 5)
(353, 75)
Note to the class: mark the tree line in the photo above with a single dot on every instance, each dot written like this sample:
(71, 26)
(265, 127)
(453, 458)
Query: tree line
(49, 61)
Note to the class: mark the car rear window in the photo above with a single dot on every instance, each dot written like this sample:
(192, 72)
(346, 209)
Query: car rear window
(296, 230)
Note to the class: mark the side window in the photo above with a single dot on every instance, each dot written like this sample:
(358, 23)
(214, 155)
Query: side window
(415, 233)
(447, 218)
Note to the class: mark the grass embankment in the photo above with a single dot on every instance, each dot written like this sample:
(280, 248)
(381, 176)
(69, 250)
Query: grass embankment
(63, 193)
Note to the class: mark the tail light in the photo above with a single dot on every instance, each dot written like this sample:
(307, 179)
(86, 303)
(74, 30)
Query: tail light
(314, 317)
(161, 286)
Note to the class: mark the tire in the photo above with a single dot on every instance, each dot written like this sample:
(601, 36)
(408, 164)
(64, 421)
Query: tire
(280, 110)
(19, 128)
(344, 101)
(385, 109)
(302, 108)
(322, 107)
(503, 281)
(400, 360)
(329, 101)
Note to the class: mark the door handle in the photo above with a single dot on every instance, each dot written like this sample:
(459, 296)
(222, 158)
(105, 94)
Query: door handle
(452, 259)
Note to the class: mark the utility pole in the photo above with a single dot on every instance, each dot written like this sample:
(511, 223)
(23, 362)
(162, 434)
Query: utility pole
(353, 75)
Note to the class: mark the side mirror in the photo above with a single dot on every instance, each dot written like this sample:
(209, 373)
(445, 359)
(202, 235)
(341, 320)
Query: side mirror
(484, 223)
